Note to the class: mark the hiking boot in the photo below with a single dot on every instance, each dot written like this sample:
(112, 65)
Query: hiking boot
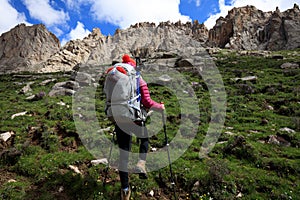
(141, 169)
(125, 194)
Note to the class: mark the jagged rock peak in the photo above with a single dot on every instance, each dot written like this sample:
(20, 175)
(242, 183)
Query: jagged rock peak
(143, 24)
(178, 24)
(24, 46)
(22, 29)
(142, 39)
(96, 33)
(248, 28)
(196, 30)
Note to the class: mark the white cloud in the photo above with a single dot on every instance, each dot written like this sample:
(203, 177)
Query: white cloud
(211, 21)
(75, 5)
(264, 5)
(78, 33)
(127, 12)
(9, 16)
(42, 10)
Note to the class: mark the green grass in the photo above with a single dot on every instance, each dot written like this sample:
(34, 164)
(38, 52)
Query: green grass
(46, 140)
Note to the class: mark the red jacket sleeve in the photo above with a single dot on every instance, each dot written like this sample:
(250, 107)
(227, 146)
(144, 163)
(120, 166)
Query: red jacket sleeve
(146, 99)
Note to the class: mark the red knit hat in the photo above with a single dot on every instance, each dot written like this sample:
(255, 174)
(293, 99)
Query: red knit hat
(126, 59)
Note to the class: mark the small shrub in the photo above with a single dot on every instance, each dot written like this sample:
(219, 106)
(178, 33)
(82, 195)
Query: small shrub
(14, 190)
(214, 183)
(240, 149)
(50, 141)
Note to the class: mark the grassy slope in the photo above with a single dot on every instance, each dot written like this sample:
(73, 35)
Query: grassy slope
(46, 142)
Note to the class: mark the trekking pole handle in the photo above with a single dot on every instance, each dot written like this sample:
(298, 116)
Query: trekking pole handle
(163, 118)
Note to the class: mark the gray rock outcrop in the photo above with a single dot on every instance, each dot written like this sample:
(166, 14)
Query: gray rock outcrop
(98, 49)
(24, 46)
(247, 28)
(64, 88)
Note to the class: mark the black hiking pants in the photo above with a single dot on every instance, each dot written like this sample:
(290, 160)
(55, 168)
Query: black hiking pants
(124, 137)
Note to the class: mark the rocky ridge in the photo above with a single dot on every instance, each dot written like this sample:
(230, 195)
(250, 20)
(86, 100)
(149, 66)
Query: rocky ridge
(248, 28)
(35, 49)
(24, 46)
(143, 39)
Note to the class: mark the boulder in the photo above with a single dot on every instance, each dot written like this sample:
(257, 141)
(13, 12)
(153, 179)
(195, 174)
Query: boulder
(83, 79)
(289, 66)
(5, 136)
(66, 88)
(61, 92)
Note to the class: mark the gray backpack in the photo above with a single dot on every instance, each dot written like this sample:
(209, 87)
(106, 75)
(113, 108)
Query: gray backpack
(121, 88)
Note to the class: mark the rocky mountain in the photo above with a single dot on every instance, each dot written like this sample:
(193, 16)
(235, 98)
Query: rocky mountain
(248, 28)
(34, 48)
(24, 46)
(143, 39)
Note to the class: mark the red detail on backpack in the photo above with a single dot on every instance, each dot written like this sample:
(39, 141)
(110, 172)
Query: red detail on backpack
(120, 69)
(109, 69)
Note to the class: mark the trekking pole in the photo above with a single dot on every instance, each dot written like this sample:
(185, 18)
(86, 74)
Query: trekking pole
(167, 144)
(108, 160)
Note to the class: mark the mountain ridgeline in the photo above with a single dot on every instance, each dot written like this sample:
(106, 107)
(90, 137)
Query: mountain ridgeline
(35, 49)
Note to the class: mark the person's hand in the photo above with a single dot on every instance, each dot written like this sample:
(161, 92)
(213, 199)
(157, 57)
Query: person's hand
(162, 106)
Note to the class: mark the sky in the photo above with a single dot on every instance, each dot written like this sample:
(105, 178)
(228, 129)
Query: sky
(75, 19)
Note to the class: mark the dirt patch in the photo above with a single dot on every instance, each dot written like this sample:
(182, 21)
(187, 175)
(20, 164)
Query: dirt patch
(6, 176)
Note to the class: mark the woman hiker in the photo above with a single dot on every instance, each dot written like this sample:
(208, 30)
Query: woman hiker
(124, 137)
